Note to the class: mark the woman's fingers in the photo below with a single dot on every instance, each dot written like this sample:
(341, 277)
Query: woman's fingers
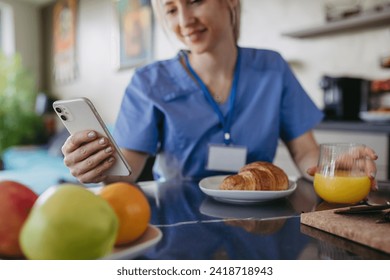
(78, 139)
(88, 156)
(362, 159)
(311, 170)
(368, 152)
(88, 150)
(92, 162)
(370, 167)
(96, 174)
(371, 171)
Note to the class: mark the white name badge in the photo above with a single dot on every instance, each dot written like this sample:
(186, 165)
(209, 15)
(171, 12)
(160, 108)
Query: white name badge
(226, 158)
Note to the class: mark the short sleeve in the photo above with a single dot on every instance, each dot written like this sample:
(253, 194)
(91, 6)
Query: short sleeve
(299, 114)
(136, 127)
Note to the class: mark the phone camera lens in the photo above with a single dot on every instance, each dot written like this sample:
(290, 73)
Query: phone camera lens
(64, 117)
(58, 109)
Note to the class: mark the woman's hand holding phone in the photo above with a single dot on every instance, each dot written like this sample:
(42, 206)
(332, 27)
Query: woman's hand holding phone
(88, 156)
(90, 152)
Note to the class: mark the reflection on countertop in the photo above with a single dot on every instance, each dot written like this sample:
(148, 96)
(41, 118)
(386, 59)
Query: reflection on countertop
(195, 226)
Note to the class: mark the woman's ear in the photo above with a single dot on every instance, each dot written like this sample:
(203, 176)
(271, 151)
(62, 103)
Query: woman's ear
(232, 3)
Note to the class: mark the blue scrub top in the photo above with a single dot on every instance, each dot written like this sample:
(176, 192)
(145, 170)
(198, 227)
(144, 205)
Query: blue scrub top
(165, 112)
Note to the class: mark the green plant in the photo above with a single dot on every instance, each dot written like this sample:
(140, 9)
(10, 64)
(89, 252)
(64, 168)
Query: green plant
(19, 124)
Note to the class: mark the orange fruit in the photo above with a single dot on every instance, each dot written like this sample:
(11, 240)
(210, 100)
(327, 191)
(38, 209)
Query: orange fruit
(131, 207)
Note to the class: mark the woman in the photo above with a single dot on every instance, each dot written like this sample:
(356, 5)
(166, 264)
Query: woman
(205, 104)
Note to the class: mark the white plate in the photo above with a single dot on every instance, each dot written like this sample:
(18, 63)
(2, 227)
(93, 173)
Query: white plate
(210, 186)
(150, 238)
(277, 209)
(375, 116)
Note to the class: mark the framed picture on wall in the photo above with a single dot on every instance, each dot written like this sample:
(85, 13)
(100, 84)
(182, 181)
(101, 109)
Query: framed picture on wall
(135, 32)
(64, 40)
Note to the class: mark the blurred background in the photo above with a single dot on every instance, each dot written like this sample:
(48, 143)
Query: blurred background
(71, 48)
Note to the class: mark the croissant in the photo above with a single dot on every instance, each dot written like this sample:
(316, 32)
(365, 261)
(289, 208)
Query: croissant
(257, 175)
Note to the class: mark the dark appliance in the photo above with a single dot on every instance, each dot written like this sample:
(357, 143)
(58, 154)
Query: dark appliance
(345, 97)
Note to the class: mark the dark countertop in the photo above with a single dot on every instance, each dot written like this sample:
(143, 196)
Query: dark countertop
(358, 126)
(195, 226)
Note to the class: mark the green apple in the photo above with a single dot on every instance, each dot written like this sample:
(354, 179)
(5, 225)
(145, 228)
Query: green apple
(69, 222)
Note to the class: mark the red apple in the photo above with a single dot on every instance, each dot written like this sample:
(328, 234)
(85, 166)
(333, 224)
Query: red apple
(16, 201)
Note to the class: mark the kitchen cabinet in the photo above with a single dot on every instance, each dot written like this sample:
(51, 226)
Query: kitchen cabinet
(365, 20)
(373, 135)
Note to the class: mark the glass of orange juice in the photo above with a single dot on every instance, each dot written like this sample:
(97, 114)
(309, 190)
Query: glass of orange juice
(341, 176)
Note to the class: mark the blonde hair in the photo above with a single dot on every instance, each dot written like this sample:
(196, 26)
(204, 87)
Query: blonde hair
(235, 13)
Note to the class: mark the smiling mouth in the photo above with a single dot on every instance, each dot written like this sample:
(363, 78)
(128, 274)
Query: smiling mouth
(195, 35)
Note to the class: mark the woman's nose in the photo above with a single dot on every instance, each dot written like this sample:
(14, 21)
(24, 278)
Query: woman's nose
(186, 17)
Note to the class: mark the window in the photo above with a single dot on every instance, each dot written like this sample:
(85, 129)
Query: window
(1, 30)
(7, 37)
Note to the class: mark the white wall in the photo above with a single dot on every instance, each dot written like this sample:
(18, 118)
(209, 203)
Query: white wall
(7, 40)
(352, 53)
(27, 40)
(99, 78)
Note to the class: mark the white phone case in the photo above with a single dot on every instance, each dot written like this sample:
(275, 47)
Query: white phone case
(80, 114)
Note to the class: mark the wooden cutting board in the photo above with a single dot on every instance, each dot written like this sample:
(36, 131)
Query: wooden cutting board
(361, 228)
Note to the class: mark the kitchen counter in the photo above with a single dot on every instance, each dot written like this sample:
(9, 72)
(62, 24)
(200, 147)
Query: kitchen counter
(359, 126)
(195, 226)
(364, 129)
(373, 134)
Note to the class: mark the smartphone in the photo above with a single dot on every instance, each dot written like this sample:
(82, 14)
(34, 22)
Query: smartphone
(80, 114)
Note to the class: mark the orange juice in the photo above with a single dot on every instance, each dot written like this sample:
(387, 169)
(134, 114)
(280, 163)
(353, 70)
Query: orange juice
(341, 189)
